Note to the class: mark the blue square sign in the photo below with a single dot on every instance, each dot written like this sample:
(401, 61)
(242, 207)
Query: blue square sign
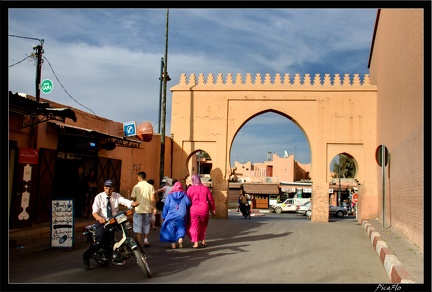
(129, 128)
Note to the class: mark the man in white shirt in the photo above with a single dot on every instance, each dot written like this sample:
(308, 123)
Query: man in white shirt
(99, 212)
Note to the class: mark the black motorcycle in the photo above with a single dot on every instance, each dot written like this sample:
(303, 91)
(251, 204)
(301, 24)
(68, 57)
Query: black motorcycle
(245, 209)
(119, 250)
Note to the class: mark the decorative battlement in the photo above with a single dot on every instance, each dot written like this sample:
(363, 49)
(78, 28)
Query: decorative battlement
(306, 80)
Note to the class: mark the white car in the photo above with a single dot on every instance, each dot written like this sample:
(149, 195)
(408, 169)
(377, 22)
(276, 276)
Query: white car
(287, 206)
(301, 209)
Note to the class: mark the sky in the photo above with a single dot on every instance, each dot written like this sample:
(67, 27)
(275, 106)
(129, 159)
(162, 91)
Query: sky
(107, 62)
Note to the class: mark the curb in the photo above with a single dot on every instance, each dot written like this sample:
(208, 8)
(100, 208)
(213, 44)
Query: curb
(396, 272)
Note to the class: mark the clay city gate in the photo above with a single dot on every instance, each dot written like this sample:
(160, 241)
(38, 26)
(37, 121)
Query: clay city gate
(337, 115)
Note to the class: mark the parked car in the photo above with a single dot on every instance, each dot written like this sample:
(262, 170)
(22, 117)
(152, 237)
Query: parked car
(286, 206)
(301, 209)
(337, 211)
(333, 210)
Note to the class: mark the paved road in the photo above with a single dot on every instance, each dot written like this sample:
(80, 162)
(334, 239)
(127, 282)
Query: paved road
(267, 249)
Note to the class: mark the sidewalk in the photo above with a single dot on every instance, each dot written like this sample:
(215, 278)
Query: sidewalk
(403, 261)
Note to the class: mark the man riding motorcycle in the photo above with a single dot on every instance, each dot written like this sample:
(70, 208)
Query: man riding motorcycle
(105, 205)
(244, 201)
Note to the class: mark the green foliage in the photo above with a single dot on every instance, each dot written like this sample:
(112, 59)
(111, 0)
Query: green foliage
(347, 166)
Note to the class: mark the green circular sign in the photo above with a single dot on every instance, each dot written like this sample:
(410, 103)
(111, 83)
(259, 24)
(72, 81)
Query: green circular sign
(46, 86)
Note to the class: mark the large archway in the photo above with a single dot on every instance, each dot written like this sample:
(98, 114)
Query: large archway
(337, 115)
(285, 137)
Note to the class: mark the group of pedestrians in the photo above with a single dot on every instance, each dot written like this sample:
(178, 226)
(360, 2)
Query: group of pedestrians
(187, 213)
(183, 213)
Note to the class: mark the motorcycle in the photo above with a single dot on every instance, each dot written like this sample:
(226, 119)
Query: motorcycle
(245, 209)
(119, 250)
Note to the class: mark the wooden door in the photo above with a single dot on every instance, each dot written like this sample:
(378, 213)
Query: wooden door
(108, 168)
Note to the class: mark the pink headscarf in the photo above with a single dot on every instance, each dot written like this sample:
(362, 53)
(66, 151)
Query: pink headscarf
(178, 187)
(196, 180)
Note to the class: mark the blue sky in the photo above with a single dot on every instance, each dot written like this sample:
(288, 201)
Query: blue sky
(108, 60)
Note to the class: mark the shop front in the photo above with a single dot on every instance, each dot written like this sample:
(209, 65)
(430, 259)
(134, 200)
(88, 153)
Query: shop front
(261, 194)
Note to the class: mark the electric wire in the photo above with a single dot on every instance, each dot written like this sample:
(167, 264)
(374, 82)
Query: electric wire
(20, 61)
(65, 88)
(42, 41)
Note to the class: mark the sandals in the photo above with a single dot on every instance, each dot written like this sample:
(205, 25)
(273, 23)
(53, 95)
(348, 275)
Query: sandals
(203, 245)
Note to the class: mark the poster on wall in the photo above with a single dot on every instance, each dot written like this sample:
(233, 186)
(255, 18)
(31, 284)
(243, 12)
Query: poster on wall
(62, 223)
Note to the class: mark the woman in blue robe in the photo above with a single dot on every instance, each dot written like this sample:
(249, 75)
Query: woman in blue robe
(175, 216)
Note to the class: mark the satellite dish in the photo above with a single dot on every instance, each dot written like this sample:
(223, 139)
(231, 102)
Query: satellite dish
(286, 153)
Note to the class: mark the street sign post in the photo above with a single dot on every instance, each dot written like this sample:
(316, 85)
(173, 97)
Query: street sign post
(46, 86)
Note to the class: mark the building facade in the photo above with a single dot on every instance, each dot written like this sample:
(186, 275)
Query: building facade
(52, 147)
(383, 109)
(208, 112)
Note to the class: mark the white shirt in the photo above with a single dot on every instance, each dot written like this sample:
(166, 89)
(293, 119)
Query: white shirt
(100, 203)
(167, 190)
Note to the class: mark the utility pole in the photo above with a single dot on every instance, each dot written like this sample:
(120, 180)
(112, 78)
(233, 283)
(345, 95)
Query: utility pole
(160, 94)
(39, 52)
(165, 77)
(161, 78)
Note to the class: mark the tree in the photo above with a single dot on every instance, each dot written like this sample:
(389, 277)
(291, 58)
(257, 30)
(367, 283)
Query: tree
(347, 166)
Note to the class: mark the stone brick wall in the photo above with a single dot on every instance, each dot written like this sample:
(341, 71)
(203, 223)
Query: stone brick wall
(397, 66)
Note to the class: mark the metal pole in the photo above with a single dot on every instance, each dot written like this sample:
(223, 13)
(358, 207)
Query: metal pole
(160, 94)
(339, 191)
(383, 181)
(162, 157)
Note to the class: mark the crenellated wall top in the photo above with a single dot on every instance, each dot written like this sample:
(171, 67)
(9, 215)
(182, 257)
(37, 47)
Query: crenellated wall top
(317, 80)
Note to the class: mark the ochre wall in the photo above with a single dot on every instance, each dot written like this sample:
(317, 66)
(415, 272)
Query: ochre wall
(397, 67)
(336, 113)
(145, 158)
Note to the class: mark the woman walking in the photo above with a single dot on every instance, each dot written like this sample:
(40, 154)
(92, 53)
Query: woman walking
(202, 202)
(175, 216)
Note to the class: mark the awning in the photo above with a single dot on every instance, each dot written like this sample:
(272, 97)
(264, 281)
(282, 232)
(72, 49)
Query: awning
(70, 130)
(262, 189)
(38, 111)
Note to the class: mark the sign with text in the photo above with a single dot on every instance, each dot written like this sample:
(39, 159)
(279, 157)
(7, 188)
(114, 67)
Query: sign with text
(62, 224)
(28, 156)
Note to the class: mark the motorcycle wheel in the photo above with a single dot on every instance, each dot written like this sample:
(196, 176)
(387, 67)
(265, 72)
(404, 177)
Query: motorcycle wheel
(142, 262)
